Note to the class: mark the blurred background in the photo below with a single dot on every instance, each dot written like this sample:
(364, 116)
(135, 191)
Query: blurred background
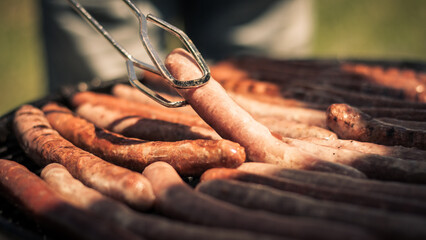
(363, 29)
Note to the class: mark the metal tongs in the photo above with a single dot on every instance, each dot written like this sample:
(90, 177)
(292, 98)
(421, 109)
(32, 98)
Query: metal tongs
(159, 67)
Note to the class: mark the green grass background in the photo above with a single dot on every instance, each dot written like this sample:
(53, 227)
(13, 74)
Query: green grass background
(364, 29)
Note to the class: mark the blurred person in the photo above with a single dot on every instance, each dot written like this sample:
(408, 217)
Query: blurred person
(75, 52)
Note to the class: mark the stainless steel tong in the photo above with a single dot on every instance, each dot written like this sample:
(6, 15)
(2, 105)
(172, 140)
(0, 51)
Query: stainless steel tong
(159, 67)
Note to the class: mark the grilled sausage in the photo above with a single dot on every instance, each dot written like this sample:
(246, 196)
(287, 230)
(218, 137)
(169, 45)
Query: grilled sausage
(297, 114)
(415, 125)
(393, 189)
(366, 147)
(44, 145)
(259, 197)
(350, 123)
(404, 80)
(231, 122)
(362, 99)
(53, 212)
(326, 193)
(132, 125)
(292, 129)
(177, 200)
(145, 225)
(409, 114)
(132, 94)
(374, 166)
(136, 109)
(190, 157)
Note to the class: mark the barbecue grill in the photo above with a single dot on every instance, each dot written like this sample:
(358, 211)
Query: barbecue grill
(15, 224)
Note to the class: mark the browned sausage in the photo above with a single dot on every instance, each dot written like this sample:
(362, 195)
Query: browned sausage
(135, 108)
(281, 100)
(177, 200)
(350, 123)
(44, 145)
(298, 114)
(293, 129)
(231, 122)
(326, 193)
(362, 99)
(146, 225)
(415, 125)
(290, 74)
(405, 80)
(259, 197)
(311, 96)
(397, 80)
(191, 157)
(53, 212)
(398, 113)
(373, 165)
(132, 125)
(394, 189)
(366, 147)
(277, 121)
(132, 94)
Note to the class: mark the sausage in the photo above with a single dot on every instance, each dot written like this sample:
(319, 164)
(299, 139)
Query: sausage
(275, 73)
(177, 200)
(366, 147)
(257, 108)
(320, 192)
(398, 113)
(393, 189)
(253, 104)
(365, 87)
(258, 197)
(44, 145)
(415, 125)
(132, 94)
(311, 96)
(52, 211)
(131, 125)
(231, 122)
(135, 108)
(350, 123)
(405, 80)
(228, 76)
(145, 225)
(297, 114)
(363, 99)
(357, 93)
(292, 129)
(356, 80)
(190, 157)
(374, 166)
(279, 100)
